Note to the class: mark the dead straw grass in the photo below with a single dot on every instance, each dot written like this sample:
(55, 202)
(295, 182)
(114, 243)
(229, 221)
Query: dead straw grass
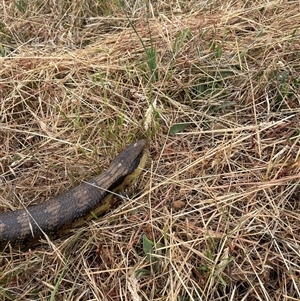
(218, 214)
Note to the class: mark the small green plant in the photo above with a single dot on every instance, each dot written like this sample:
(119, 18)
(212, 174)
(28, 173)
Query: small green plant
(21, 5)
(58, 283)
(181, 38)
(217, 49)
(179, 127)
(150, 53)
(151, 249)
(214, 270)
(98, 77)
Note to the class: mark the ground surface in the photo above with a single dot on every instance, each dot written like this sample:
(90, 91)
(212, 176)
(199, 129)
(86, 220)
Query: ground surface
(214, 85)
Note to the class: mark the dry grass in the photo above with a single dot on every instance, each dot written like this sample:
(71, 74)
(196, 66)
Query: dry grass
(216, 89)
